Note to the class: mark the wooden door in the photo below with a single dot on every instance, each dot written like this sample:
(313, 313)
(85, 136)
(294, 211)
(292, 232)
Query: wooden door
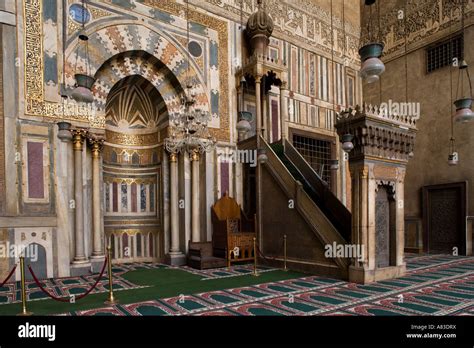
(444, 218)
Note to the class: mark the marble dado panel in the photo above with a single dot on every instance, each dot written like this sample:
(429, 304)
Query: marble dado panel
(35, 165)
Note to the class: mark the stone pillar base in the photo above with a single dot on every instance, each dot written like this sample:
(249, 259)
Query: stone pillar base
(97, 263)
(80, 261)
(364, 276)
(97, 257)
(80, 269)
(175, 259)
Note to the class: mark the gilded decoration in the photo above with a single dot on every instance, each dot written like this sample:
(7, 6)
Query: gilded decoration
(129, 181)
(132, 139)
(98, 13)
(35, 103)
(146, 221)
(298, 22)
(72, 27)
(33, 52)
(145, 156)
(34, 73)
(131, 232)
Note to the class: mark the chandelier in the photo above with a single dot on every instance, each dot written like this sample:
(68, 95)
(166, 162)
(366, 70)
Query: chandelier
(189, 126)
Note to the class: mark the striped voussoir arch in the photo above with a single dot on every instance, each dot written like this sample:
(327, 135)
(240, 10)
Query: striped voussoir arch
(118, 51)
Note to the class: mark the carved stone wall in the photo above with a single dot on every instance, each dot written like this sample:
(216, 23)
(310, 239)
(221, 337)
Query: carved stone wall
(426, 21)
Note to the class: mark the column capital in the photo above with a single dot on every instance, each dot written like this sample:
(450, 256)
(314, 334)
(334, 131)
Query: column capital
(173, 157)
(194, 156)
(284, 85)
(78, 136)
(97, 144)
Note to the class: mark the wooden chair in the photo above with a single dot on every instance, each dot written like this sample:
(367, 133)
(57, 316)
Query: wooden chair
(200, 256)
(231, 229)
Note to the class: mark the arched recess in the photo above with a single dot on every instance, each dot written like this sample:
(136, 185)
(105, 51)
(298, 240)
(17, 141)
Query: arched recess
(135, 104)
(135, 111)
(122, 50)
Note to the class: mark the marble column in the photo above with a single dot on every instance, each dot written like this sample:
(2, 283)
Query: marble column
(265, 113)
(363, 226)
(258, 101)
(64, 177)
(97, 251)
(195, 221)
(240, 103)
(400, 217)
(259, 167)
(283, 109)
(78, 141)
(174, 203)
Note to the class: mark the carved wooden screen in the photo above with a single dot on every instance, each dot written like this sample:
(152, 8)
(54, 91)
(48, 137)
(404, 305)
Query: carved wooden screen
(317, 153)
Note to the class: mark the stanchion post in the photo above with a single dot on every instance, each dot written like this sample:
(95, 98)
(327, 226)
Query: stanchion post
(24, 312)
(111, 300)
(255, 273)
(284, 254)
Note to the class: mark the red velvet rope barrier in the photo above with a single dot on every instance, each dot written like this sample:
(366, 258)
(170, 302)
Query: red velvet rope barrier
(9, 276)
(61, 299)
(261, 254)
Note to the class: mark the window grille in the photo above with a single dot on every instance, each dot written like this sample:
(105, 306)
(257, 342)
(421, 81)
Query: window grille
(438, 56)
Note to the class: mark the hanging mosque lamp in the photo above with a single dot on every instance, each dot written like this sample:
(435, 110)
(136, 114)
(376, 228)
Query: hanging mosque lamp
(82, 92)
(372, 66)
(463, 105)
(463, 102)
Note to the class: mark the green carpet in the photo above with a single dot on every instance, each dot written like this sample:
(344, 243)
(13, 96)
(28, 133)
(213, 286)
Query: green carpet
(163, 283)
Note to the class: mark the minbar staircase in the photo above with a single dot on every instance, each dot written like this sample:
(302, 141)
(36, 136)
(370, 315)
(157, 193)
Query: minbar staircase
(317, 189)
(297, 203)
